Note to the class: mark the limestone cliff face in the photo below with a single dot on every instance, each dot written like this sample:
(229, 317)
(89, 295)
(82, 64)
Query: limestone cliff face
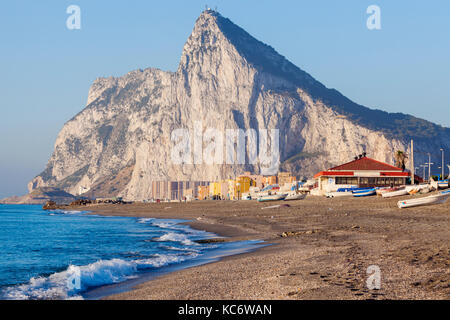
(226, 79)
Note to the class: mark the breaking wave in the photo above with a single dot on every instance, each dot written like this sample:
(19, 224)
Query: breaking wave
(70, 283)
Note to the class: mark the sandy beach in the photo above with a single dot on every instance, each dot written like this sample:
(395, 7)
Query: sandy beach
(321, 249)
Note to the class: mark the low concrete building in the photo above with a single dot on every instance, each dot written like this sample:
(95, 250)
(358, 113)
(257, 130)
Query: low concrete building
(360, 173)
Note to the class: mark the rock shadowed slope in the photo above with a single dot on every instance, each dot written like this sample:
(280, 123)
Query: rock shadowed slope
(226, 79)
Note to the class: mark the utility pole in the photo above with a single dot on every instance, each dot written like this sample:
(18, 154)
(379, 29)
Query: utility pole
(412, 162)
(443, 171)
(423, 166)
(429, 166)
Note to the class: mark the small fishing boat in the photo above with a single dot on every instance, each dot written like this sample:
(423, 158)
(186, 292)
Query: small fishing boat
(365, 193)
(295, 196)
(443, 184)
(272, 197)
(339, 194)
(352, 189)
(413, 189)
(430, 200)
(427, 190)
(398, 193)
(381, 191)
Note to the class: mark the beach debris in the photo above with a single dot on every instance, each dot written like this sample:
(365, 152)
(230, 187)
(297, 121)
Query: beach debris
(167, 208)
(356, 227)
(277, 206)
(199, 218)
(297, 233)
(271, 207)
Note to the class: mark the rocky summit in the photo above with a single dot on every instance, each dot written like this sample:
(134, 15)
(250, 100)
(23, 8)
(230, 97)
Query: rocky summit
(123, 139)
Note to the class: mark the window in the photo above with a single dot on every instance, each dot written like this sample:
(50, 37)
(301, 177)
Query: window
(347, 180)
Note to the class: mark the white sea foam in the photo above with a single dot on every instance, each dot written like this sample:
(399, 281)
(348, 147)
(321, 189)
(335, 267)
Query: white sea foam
(59, 211)
(176, 226)
(145, 220)
(182, 249)
(177, 237)
(103, 272)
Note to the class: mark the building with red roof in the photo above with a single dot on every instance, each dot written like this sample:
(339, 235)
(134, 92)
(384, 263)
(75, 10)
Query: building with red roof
(361, 172)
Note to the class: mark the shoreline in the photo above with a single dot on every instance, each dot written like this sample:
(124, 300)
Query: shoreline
(214, 255)
(323, 248)
(224, 235)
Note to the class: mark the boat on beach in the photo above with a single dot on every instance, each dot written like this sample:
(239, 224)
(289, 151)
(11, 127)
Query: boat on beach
(443, 184)
(430, 200)
(339, 194)
(365, 193)
(414, 189)
(398, 193)
(272, 197)
(381, 191)
(295, 196)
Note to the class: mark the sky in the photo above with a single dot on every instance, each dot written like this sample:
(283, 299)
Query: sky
(46, 69)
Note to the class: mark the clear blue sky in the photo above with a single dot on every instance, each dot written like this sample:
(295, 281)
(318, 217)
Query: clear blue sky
(46, 69)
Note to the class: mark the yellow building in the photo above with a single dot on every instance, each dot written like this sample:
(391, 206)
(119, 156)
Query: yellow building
(219, 190)
(239, 186)
(203, 192)
(214, 189)
(229, 189)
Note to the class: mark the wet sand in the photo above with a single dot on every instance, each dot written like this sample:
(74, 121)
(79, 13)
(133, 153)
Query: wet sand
(321, 250)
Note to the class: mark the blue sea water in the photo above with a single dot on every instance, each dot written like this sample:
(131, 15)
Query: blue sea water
(62, 254)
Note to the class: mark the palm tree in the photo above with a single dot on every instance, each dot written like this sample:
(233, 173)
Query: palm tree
(400, 159)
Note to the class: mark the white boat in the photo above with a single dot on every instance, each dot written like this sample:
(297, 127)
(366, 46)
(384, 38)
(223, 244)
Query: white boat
(295, 196)
(434, 199)
(381, 191)
(413, 189)
(272, 197)
(339, 194)
(443, 184)
(398, 193)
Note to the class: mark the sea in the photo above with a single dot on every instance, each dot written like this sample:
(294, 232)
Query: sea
(74, 255)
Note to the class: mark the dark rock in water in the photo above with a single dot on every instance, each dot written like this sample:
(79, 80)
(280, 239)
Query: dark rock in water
(210, 240)
(81, 202)
(50, 205)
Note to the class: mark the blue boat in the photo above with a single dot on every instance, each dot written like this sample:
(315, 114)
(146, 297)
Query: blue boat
(443, 184)
(365, 193)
